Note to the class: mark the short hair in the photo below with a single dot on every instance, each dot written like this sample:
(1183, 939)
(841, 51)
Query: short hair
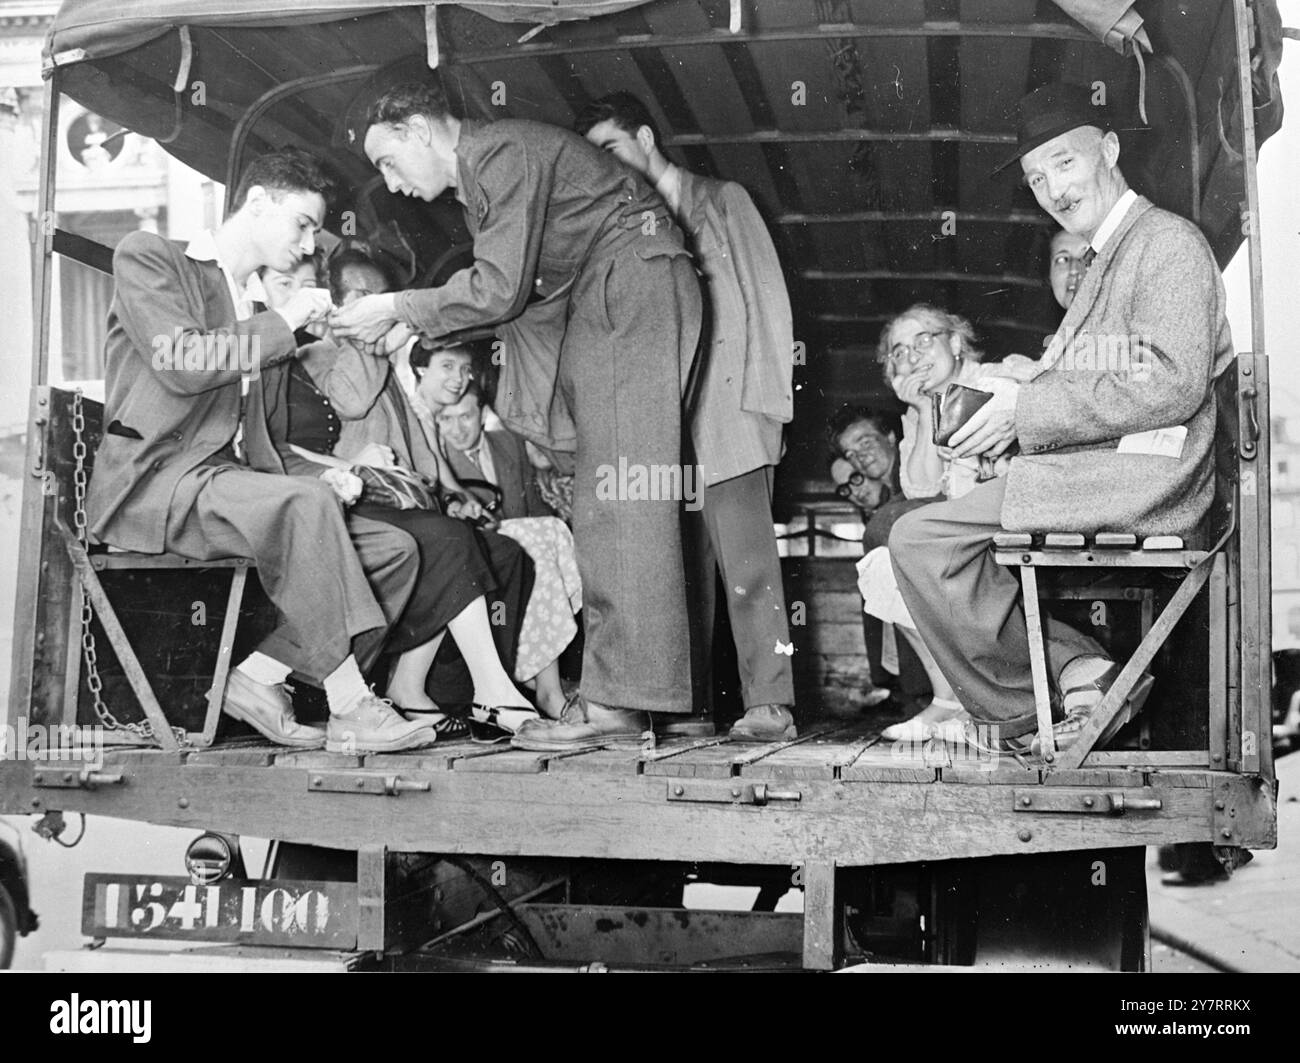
(623, 109)
(286, 170)
(847, 416)
(950, 322)
(406, 99)
(352, 256)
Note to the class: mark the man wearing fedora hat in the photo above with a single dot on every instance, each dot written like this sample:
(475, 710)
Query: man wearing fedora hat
(1115, 432)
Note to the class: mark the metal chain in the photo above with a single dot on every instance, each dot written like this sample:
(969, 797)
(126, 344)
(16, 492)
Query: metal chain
(144, 729)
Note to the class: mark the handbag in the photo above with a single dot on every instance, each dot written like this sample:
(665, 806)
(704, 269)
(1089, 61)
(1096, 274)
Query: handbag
(953, 407)
(395, 487)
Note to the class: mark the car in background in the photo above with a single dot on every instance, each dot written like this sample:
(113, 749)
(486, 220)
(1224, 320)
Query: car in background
(16, 915)
(1286, 700)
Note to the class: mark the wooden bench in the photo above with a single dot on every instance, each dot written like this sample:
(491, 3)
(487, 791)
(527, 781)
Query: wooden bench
(1202, 559)
(71, 433)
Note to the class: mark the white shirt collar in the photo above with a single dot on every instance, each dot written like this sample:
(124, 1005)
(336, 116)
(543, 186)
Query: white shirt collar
(669, 186)
(1111, 222)
(203, 248)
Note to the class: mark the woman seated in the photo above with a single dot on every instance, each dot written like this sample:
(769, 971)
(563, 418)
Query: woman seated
(549, 626)
(922, 351)
(332, 413)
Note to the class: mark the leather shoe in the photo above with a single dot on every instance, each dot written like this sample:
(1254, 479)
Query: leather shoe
(269, 711)
(584, 725)
(374, 726)
(764, 723)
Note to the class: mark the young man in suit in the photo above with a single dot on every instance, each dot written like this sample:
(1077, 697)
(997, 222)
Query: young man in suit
(185, 337)
(584, 278)
(740, 394)
(1139, 349)
(497, 455)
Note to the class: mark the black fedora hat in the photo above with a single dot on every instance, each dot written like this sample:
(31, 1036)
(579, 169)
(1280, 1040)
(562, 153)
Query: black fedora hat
(1053, 109)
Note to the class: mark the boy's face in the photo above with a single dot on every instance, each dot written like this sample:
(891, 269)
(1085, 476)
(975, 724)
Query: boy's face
(286, 225)
(461, 423)
(445, 378)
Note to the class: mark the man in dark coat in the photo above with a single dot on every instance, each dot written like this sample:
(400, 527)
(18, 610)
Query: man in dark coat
(740, 395)
(170, 474)
(580, 270)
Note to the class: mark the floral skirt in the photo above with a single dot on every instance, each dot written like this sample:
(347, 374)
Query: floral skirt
(548, 625)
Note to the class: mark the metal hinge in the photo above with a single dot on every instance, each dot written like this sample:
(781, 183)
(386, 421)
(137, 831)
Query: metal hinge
(1086, 802)
(728, 793)
(60, 777)
(351, 782)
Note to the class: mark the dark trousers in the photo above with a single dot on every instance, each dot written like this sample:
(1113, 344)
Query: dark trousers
(631, 336)
(969, 611)
(338, 581)
(732, 533)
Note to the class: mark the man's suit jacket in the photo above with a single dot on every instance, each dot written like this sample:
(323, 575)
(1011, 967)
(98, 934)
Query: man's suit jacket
(162, 419)
(519, 494)
(1154, 294)
(549, 212)
(741, 390)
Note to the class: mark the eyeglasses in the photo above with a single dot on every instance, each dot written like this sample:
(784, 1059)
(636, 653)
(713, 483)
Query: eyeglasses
(922, 341)
(845, 490)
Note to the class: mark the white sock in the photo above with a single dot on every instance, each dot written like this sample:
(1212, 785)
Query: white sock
(345, 686)
(263, 669)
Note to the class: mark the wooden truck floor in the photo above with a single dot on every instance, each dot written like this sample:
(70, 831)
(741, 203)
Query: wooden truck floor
(837, 796)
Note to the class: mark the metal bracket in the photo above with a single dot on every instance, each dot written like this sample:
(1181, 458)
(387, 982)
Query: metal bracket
(728, 793)
(1086, 801)
(1224, 814)
(352, 782)
(59, 777)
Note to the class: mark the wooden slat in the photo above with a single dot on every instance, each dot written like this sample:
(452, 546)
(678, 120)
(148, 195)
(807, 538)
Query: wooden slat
(1146, 759)
(310, 759)
(1094, 777)
(707, 762)
(822, 759)
(154, 758)
(227, 756)
(510, 761)
(878, 763)
(1115, 540)
(1162, 542)
(1195, 780)
(1063, 541)
(161, 561)
(1012, 540)
(598, 762)
(1116, 558)
(1038, 662)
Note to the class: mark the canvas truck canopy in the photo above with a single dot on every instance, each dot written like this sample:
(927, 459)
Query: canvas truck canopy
(865, 131)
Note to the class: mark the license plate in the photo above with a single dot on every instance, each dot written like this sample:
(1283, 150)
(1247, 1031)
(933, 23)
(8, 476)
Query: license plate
(276, 912)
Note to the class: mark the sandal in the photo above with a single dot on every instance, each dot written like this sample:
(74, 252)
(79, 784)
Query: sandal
(486, 724)
(448, 728)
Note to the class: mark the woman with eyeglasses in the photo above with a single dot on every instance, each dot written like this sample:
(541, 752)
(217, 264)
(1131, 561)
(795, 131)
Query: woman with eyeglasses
(921, 351)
